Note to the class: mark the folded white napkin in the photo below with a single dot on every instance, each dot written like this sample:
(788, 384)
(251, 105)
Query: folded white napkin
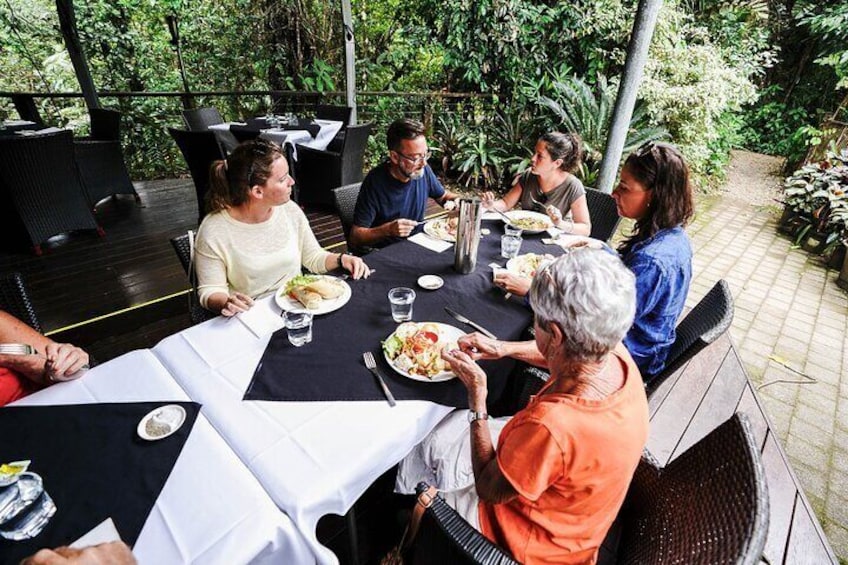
(430, 243)
(491, 216)
(261, 320)
(104, 532)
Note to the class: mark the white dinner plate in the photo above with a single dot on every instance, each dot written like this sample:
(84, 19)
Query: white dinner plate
(438, 228)
(526, 265)
(170, 416)
(288, 303)
(527, 214)
(571, 241)
(447, 334)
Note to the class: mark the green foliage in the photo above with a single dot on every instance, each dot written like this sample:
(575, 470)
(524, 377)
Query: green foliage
(831, 28)
(577, 107)
(689, 85)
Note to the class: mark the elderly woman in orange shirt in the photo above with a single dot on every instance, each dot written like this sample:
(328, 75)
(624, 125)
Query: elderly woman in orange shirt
(555, 483)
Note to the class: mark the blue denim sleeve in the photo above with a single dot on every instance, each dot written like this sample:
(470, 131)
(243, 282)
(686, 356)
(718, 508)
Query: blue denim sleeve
(649, 335)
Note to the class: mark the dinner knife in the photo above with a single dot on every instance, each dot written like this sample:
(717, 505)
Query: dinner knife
(460, 318)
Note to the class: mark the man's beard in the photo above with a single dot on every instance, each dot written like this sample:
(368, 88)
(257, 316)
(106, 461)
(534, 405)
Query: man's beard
(415, 175)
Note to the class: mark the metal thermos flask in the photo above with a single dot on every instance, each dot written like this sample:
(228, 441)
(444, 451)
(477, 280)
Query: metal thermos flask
(467, 234)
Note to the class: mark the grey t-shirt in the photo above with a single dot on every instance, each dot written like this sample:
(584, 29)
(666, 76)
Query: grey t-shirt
(563, 196)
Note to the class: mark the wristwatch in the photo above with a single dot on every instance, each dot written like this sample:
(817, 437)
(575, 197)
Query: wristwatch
(472, 416)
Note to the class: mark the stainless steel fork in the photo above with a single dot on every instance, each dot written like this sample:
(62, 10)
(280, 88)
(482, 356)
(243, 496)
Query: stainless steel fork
(371, 364)
(543, 207)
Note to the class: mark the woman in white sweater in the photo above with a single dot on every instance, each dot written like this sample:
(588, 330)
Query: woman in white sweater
(255, 237)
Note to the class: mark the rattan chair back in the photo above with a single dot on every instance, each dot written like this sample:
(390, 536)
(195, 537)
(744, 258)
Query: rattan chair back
(710, 505)
(704, 324)
(200, 149)
(41, 179)
(183, 247)
(14, 299)
(337, 113)
(199, 119)
(603, 214)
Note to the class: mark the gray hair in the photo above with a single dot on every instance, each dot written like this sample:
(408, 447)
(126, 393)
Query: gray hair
(591, 295)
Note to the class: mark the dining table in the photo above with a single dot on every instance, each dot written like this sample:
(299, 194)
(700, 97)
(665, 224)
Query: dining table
(211, 509)
(311, 423)
(287, 136)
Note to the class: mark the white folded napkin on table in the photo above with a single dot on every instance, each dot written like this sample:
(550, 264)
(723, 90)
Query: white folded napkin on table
(104, 532)
(261, 320)
(430, 243)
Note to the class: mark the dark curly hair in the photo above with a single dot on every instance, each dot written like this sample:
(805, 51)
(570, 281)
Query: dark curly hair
(565, 146)
(660, 168)
(249, 164)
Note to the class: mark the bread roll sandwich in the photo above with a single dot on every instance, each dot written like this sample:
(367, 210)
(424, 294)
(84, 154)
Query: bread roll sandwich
(326, 288)
(310, 299)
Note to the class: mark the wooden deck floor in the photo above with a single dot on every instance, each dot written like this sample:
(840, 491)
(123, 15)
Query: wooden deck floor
(706, 392)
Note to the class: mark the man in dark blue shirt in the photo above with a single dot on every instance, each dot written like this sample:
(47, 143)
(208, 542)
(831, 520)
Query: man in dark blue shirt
(394, 195)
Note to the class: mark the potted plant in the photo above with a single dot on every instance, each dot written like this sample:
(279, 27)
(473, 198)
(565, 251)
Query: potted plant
(817, 203)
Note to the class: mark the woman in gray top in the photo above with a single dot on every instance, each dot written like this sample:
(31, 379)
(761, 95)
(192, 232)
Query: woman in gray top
(549, 180)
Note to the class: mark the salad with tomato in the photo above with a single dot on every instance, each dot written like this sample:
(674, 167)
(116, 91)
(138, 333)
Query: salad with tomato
(416, 349)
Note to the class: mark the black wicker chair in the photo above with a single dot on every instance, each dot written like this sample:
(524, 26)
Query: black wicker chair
(344, 201)
(200, 119)
(336, 113)
(704, 324)
(40, 177)
(710, 505)
(183, 248)
(100, 158)
(14, 299)
(200, 149)
(603, 213)
(319, 172)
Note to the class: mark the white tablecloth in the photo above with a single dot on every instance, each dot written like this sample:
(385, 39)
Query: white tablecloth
(313, 458)
(293, 137)
(212, 509)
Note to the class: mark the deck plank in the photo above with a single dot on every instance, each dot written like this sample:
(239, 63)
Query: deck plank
(673, 417)
(805, 544)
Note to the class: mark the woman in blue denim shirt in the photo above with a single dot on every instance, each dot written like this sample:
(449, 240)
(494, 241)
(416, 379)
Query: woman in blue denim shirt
(654, 190)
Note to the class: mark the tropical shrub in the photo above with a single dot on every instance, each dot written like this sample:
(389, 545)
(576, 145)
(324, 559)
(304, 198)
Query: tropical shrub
(818, 195)
(575, 106)
(688, 87)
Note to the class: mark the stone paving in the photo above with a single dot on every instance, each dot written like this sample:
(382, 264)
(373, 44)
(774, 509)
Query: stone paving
(789, 328)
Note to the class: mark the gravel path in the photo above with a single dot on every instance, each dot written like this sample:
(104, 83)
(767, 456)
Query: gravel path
(754, 178)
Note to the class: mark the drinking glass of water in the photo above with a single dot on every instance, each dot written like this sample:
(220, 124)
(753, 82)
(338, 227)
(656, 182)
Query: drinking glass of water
(401, 299)
(510, 244)
(299, 326)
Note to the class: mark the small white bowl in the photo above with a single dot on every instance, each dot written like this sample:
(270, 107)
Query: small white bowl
(165, 421)
(430, 282)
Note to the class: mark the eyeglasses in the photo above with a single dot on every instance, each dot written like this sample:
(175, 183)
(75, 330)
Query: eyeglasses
(416, 160)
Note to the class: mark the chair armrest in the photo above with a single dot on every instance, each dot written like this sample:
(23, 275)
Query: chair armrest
(445, 537)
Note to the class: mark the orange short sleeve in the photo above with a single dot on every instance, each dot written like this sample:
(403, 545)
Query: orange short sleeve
(529, 457)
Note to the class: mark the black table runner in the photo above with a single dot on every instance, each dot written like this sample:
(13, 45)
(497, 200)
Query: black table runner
(93, 464)
(259, 124)
(331, 367)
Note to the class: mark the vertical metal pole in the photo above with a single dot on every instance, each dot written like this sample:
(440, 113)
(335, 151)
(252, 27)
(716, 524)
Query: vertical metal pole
(637, 54)
(68, 25)
(350, 61)
(174, 29)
